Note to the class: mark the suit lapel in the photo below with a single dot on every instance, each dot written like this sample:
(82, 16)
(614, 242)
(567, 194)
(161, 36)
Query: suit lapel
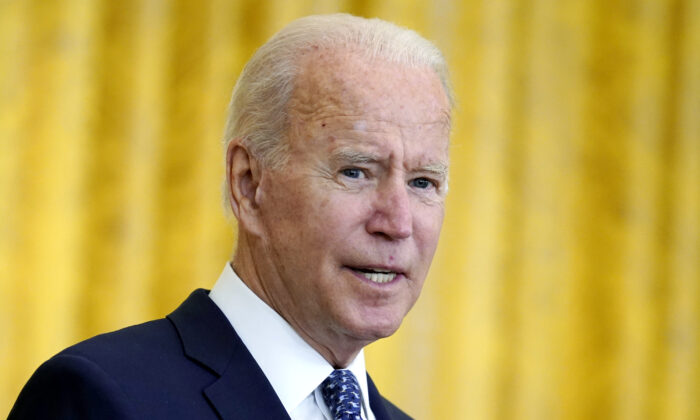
(376, 401)
(242, 390)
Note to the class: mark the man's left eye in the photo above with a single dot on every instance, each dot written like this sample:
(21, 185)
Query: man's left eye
(422, 183)
(352, 172)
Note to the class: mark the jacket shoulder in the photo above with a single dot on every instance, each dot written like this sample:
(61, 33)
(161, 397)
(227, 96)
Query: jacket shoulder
(71, 387)
(141, 371)
(151, 338)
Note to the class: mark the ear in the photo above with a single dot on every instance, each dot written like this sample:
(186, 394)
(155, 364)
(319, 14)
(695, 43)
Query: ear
(243, 175)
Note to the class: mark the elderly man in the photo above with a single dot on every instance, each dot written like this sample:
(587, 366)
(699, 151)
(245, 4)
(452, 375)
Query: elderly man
(336, 170)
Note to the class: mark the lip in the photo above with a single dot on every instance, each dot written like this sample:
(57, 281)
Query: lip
(399, 275)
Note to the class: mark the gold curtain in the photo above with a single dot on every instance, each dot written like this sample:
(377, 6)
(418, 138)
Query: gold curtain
(567, 280)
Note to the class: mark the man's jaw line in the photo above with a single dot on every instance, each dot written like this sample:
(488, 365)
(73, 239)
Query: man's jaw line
(339, 348)
(339, 351)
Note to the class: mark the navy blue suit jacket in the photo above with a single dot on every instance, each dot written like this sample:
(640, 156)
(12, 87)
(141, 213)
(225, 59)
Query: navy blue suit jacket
(190, 365)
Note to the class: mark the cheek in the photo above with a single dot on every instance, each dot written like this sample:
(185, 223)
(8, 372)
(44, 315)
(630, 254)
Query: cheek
(314, 220)
(428, 223)
(284, 214)
(348, 210)
(285, 200)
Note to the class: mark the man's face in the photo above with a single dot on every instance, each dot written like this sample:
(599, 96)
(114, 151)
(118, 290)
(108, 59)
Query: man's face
(351, 223)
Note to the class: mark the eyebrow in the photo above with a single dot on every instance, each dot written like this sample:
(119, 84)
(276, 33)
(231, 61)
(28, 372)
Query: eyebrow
(438, 168)
(353, 156)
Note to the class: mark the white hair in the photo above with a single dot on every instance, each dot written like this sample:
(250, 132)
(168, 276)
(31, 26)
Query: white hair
(258, 109)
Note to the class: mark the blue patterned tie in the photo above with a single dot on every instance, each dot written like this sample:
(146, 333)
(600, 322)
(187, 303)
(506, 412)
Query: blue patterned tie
(341, 392)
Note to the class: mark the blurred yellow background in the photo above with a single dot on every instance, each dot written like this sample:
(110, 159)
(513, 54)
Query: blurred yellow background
(567, 281)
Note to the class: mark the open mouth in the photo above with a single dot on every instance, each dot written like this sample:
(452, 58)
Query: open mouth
(376, 275)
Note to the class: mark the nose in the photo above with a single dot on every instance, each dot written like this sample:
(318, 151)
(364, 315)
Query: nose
(391, 216)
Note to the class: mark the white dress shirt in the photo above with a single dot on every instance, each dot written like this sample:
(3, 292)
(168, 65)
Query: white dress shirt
(294, 369)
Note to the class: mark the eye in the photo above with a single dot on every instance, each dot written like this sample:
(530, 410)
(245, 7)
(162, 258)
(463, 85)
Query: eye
(352, 173)
(422, 183)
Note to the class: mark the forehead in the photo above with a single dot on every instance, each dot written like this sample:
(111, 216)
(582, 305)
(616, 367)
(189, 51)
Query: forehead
(343, 82)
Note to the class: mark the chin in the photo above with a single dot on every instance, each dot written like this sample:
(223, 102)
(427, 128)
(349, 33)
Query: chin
(373, 331)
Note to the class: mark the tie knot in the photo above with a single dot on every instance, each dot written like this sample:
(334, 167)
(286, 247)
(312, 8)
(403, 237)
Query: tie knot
(341, 392)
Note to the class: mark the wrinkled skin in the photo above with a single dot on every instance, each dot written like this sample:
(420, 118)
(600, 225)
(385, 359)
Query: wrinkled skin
(363, 190)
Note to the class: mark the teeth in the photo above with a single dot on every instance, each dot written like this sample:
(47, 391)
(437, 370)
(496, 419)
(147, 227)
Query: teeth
(380, 277)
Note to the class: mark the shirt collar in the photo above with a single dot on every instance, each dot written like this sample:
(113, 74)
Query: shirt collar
(291, 365)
